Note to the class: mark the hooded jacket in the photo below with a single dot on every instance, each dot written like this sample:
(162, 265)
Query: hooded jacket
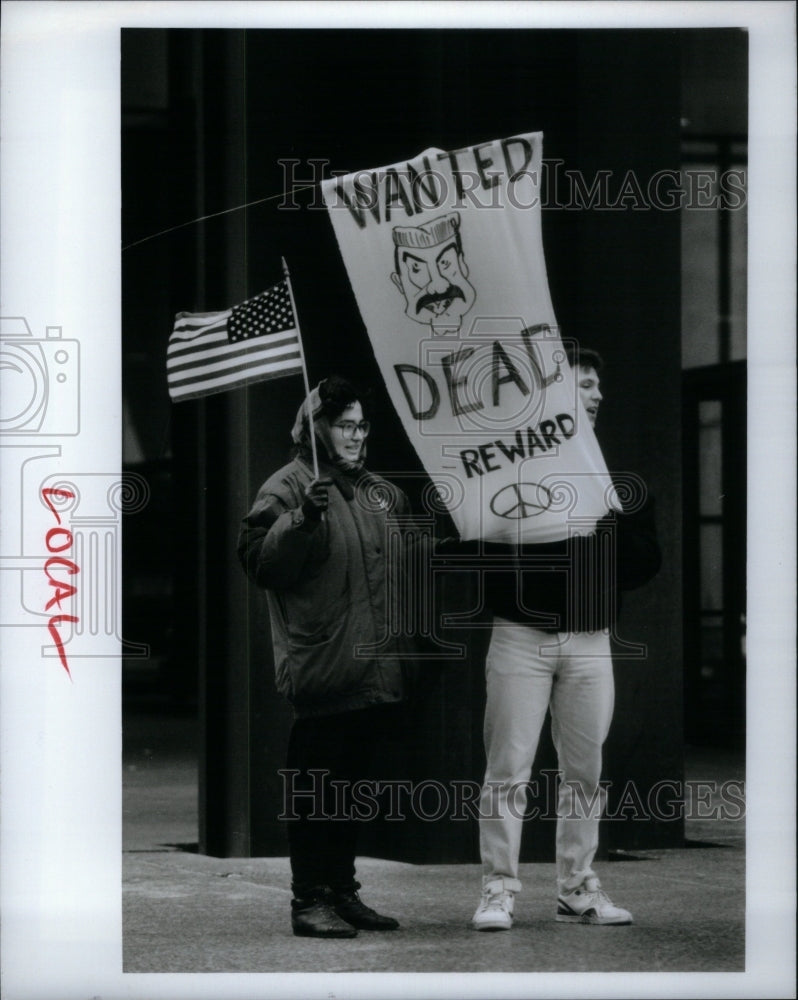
(330, 586)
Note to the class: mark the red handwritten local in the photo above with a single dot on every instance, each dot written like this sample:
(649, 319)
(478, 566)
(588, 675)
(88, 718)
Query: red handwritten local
(59, 540)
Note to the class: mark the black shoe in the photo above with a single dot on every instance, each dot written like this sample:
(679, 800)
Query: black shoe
(347, 904)
(314, 916)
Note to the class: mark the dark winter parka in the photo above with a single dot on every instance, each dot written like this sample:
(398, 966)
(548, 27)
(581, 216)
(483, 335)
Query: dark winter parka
(330, 586)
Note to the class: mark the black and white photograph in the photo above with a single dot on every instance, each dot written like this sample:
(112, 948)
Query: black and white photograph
(399, 494)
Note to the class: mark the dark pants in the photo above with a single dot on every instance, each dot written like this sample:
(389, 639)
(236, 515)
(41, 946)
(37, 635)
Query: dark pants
(329, 753)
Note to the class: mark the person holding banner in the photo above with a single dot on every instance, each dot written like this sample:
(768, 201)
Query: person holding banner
(317, 540)
(555, 606)
(444, 253)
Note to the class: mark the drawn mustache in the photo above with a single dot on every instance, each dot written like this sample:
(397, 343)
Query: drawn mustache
(452, 292)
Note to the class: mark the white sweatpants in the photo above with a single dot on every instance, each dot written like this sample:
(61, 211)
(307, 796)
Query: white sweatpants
(528, 671)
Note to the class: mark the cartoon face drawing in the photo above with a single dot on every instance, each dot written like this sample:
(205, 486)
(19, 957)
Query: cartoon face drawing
(432, 274)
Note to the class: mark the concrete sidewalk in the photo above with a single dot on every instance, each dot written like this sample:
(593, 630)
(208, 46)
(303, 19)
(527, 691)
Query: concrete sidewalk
(184, 912)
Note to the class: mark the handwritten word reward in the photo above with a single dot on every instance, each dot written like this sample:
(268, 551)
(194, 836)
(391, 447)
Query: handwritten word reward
(58, 540)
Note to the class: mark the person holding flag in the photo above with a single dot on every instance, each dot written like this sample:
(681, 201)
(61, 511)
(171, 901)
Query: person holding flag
(317, 540)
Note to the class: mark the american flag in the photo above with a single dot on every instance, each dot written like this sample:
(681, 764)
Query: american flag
(218, 351)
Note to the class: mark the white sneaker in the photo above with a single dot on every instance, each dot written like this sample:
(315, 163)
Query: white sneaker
(495, 910)
(589, 904)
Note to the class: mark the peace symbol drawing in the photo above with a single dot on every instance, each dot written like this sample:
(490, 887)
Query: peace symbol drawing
(519, 501)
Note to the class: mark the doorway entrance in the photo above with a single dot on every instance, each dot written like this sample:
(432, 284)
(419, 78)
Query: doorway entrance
(714, 557)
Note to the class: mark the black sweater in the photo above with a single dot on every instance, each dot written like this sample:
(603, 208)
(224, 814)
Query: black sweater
(572, 585)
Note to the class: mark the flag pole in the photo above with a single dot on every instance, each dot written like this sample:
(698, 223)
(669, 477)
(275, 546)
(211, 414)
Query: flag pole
(304, 371)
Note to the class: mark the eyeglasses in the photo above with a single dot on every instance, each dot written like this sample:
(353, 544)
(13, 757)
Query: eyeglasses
(348, 428)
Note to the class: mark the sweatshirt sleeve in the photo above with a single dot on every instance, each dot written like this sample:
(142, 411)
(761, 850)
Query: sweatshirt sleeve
(277, 546)
(638, 552)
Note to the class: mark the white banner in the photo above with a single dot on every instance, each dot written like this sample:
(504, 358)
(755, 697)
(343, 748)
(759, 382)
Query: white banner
(445, 257)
